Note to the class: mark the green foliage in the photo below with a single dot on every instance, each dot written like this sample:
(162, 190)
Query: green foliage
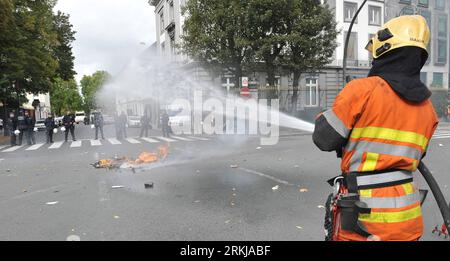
(34, 46)
(65, 96)
(90, 86)
(215, 33)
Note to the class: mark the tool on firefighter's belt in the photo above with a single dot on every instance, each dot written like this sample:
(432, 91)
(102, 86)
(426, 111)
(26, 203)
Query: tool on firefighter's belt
(440, 199)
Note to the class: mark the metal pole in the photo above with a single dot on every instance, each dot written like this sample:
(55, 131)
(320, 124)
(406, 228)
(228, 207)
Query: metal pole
(347, 39)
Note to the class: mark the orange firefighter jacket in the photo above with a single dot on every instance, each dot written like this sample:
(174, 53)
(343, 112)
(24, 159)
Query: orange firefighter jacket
(385, 134)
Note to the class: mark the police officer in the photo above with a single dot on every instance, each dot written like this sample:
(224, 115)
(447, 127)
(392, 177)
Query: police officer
(145, 125)
(12, 126)
(165, 124)
(69, 124)
(22, 126)
(49, 127)
(98, 123)
(30, 123)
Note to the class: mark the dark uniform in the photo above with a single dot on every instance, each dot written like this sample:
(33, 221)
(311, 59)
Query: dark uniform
(30, 122)
(69, 124)
(98, 123)
(165, 124)
(49, 127)
(145, 125)
(22, 127)
(12, 126)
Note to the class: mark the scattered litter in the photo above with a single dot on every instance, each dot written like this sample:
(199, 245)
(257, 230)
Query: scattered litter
(320, 206)
(73, 230)
(276, 187)
(198, 171)
(197, 201)
(56, 191)
(279, 159)
(117, 187)
(228, 221)
(296, 166)
(258, 148)
(52, 203)
(304, 190)
(441, 145)
(234, 194)
(116, 217)
(24, 191)
(73, 238)
(233, 166)
(234, 189)
(299, 227)
(8, 170)
(232, 203)
(148, 185)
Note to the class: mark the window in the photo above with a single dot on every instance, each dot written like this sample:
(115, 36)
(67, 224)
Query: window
(440, 4)
(408, 11)
(442, 51)
(349, 11)
(427, 16)
(405, 1)
(312, 92)
(352, 51)
(374, 15)
(423, 3)
(438, 80)
(442, 26)
(370, 54)
(162, 26)
(423, 77)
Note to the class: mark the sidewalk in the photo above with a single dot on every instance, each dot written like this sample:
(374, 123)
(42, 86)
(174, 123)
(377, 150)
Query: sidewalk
(4, 140)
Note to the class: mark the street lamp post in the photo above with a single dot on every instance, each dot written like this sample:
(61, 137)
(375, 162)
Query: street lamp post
(347, 39)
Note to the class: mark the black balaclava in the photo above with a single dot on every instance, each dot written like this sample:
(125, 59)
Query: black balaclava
(401, 69)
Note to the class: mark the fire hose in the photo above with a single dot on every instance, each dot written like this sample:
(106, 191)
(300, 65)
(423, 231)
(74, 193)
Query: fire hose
(437, 193)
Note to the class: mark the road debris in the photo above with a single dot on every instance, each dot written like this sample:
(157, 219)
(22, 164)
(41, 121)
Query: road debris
(233, 189)
(8, 170)
(303, 190)
(116, 217)
(299, 227)
(258, 148)
(124, 162)
(234, 166)
(296, 166)
(197, 201)
(441, 145)
(228, 221)
(232, 203)
(25, 191)
(73, 238)
(320, 206)
(117, 187)
(148, 185)
(276, 187)
(52, 203)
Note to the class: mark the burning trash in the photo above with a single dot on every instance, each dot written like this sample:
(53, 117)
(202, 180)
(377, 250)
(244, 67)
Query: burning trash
(124, 162)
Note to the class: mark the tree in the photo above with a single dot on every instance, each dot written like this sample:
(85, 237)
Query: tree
(216, 34)
(63, 49)
(311, 41)
(65, 96)
(90, 86)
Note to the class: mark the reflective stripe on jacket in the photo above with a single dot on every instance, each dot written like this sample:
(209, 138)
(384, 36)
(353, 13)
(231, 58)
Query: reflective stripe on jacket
(383, 132)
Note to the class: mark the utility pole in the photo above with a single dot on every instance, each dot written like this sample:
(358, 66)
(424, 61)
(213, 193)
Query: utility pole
(347, 39)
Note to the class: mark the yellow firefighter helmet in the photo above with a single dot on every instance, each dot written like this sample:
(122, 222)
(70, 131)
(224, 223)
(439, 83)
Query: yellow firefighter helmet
(406, 30)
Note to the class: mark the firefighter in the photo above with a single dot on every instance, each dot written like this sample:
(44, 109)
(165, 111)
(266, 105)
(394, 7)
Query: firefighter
(381, 126)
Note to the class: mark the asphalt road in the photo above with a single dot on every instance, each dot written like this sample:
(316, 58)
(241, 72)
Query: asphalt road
(208, 188)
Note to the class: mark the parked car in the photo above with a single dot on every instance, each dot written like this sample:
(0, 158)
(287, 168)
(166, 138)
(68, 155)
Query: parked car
(79, 116)
(1, 124)
(134, 121)
(58, 121)
(40, 125)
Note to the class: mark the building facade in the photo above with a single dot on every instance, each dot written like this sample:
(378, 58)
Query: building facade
(318, 90)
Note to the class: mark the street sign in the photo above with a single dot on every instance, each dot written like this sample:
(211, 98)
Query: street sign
(244, 82)
(245, 92)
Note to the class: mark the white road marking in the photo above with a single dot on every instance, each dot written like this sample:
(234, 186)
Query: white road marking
(197, 138)
(166, 139)
(267, 176)
(13, 149)
(95, 143)
(75, 144)
(133, 141)
(150, 140)
(114, 141)
(35, 147)
(181, 138)
(56, 145)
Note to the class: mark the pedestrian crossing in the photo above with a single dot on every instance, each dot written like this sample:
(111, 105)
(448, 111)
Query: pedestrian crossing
(103, 142)
(441, 134)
